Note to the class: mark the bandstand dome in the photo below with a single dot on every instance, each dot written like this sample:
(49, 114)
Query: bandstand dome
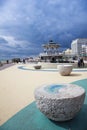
(50, 44)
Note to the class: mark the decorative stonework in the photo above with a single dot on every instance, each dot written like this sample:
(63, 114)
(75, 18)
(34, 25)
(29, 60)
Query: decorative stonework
(65, 70)
(37, 66)
(60, 102)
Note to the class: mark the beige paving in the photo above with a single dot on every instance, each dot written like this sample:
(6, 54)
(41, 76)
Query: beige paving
(17, 87)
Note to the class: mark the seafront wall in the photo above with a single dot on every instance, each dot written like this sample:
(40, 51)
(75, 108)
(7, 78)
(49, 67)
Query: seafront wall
(5, 63)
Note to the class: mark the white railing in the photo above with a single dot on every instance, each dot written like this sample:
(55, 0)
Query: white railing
(49, 54)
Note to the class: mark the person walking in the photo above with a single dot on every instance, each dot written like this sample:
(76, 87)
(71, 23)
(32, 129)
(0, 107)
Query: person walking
(79, 62)
(82, 62)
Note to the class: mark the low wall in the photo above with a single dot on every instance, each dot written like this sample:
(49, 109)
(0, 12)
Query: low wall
(47, 65)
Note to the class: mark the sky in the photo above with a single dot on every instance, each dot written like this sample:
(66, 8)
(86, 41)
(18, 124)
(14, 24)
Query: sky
(27, 24)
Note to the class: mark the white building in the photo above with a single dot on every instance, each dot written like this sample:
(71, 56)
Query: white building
(68, 52)
(84, 50)
(79, 47)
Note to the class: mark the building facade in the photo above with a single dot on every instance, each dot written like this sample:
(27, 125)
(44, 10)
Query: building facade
(79, 47)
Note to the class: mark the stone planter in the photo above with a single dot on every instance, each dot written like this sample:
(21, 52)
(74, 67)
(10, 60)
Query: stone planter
(37, 66)
(65, 70)
(60, 102)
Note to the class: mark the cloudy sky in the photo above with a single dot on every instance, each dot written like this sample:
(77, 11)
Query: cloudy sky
(26, 24)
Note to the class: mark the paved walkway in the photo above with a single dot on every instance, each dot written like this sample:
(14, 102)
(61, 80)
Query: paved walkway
(6, 66)
(17, 87)
(22, 120)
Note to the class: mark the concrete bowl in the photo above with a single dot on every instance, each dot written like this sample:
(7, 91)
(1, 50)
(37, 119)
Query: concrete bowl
(59, 102)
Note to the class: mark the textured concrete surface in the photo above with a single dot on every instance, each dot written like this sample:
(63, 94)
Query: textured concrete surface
(65, 70)
(60, 103)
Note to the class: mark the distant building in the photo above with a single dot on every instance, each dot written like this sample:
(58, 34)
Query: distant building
(79, 47)
(84, 50)
(68, 52)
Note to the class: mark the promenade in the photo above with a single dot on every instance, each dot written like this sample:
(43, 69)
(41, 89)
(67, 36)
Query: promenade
(17, 87)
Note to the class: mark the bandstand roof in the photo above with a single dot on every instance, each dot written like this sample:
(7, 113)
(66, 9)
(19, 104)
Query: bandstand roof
(51, 44)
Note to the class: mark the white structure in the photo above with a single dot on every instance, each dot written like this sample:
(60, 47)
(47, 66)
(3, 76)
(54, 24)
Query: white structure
(79, 46)
(65, 70)
(84, 50)
(68, 52)
(51, 53)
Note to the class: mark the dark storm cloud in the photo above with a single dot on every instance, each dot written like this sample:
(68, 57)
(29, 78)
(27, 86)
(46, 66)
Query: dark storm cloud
(26, 25)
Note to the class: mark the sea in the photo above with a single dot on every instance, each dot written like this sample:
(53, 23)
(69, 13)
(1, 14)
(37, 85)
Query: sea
(5, 58)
